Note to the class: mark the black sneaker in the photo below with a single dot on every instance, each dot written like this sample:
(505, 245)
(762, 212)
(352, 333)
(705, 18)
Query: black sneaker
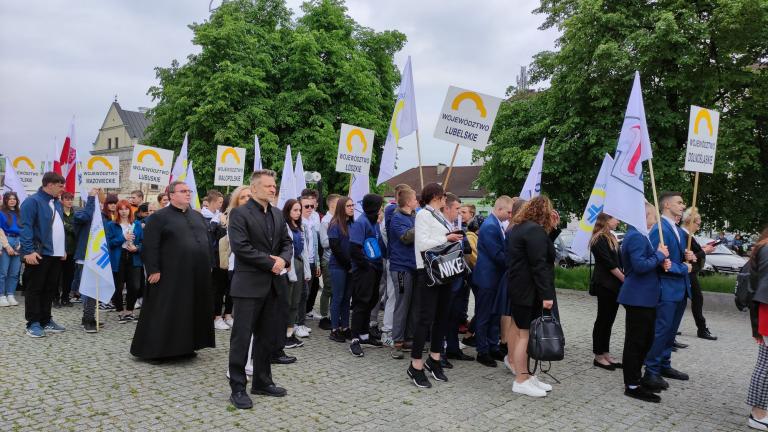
(371, 342)
(705, 334)
(89, 327)
(435, 369)
(355, 348)
(469, 341)
(374, 332)
(325, 323)
(122, 319)
(418, 377)
(347, 333)
(642, 394)
(293, 342)
(130, 318)
(337, 336)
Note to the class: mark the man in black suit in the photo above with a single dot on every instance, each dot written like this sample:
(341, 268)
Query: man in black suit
(262, 247)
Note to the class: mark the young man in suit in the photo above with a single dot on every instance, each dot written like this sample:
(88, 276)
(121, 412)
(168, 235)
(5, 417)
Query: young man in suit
(489, 269)
(675, 285)
(640, 295)
(263, 248)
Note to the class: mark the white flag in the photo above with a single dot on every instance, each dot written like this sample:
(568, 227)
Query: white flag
(532, 186)
(287, 181)
(403, 123)
(361, 187)
(625, 195)
(179, 170)
(298, 174)
(190, 181)
(580, 244)
(96, 281)
(12, 182)
(257, 154)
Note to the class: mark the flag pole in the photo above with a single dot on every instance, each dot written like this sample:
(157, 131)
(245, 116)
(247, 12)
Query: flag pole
(418, 152)
(656, 202)
(450, 168)
(693, 204)
(351, 178)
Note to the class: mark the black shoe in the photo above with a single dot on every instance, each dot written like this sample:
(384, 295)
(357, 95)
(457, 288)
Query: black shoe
(459, 356)
(337, 336)
(56, 304)
(679, 345)
(679, 333)
(272, 390)
(418, 377)
(122, 319)
(485, 359)
(241, 400)
(434, 367)
(674, 374)
(347, 334)
(618, 365)
(497, 355)
(642, 394)
(609, 367)
(444, 363)
(293, 342)
(469, 341)
(374, 332)
(325, 323)
(355, 348)
(705, 334)
(673, 349)
(654, 383)
(503, 349)
(371, 342)
(90, 327)
(66, 303)
(282, 358)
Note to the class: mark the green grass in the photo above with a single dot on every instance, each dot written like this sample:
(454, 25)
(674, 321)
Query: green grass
(578, 279)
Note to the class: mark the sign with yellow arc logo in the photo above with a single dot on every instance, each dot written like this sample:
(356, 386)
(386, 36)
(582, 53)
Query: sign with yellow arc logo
(355, 148)
(101, 172)
(151, 165)
(230, 166)
(467, 117)
(702, 140)
(28, 170)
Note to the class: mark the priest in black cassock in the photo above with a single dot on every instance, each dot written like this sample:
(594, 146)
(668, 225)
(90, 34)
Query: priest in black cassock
(176, 311)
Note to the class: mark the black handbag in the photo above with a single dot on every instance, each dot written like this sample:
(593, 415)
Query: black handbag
(546, 341)
(444, 264)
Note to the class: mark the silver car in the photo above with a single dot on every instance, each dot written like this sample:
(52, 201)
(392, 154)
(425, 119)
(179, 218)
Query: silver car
(722, 260)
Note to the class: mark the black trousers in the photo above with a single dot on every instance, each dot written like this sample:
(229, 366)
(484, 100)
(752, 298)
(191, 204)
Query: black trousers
(697, 303)
(432, 309)
(365, 294)
(129, 276)
(606, 315)
(314, 286)
(41, 286)
(221, 296)
(263, 318)
(67, 276)
(640, 329)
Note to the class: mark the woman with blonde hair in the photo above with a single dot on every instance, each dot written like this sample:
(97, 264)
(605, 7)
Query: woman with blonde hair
(605, 285)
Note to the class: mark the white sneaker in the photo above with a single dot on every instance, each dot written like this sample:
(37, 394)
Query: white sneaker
(759, 424)
(508, 365)
(307, 329)
(542, 385)
(3, 301)
(12, 300)
(386, 339)
(528, 388)
(219, 324)
(230, 321)
(300, 332)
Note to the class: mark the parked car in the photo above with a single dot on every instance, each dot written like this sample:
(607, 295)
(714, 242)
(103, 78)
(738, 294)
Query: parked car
(566, 258)
(722, 260)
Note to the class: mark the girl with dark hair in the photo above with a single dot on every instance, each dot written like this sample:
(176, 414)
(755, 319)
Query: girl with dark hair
(299, 272)
(757, 397)
(124, 237)
(340, 267)
(10, 260)
(606, 282)
(109, 210)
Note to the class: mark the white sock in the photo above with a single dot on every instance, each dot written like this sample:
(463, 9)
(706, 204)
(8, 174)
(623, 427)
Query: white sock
(364, 337)
(632, 387)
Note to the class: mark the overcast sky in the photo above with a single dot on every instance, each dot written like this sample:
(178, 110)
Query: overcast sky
(63, 58)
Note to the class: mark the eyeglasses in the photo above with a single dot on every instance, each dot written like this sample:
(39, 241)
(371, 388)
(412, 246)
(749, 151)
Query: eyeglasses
(309, 206)
(185, 191)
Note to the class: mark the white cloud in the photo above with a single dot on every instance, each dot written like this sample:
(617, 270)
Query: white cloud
(59, 58)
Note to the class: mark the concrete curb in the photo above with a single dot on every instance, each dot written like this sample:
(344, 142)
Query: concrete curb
(713, 302)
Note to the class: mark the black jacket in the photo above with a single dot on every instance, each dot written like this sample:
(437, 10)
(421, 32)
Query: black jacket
(252, 242)
(530, 261)
(606, 259)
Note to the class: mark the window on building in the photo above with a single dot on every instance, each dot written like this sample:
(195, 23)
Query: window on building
(109, 143)
(154, 187)
(116, 139)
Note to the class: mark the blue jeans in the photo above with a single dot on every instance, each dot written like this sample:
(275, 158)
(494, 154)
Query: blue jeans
(340, 298)
(9, 269)
(668, 317)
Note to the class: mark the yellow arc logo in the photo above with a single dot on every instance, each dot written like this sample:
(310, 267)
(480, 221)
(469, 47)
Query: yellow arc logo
(149, 152)
(96, 245)
(356, 132)
(230, 151)
(703, 114)
(474, 97)
(92, 161)
(24, 159)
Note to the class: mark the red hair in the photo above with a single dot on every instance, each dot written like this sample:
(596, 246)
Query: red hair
(123, 204)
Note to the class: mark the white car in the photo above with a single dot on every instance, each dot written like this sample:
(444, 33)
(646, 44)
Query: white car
(722, 260)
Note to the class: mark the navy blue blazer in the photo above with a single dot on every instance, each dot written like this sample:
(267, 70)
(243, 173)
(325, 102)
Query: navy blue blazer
(641, 261)
(491, 255)
(675, 283)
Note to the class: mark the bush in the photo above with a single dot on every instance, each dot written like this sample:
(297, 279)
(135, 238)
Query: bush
(577, 278)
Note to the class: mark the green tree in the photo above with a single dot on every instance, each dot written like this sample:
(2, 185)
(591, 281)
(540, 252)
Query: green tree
(292, 82)
(710, 53)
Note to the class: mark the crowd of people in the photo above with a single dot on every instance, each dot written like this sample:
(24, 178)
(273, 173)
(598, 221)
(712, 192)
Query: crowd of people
(241, 264)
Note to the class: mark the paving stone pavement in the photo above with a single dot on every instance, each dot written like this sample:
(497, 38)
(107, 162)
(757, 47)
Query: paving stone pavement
(76, 381)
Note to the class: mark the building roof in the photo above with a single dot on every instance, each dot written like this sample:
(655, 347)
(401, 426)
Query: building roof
(135, 122)
(462, 182)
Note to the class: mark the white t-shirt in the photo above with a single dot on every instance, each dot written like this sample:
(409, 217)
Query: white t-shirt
(57, 233)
